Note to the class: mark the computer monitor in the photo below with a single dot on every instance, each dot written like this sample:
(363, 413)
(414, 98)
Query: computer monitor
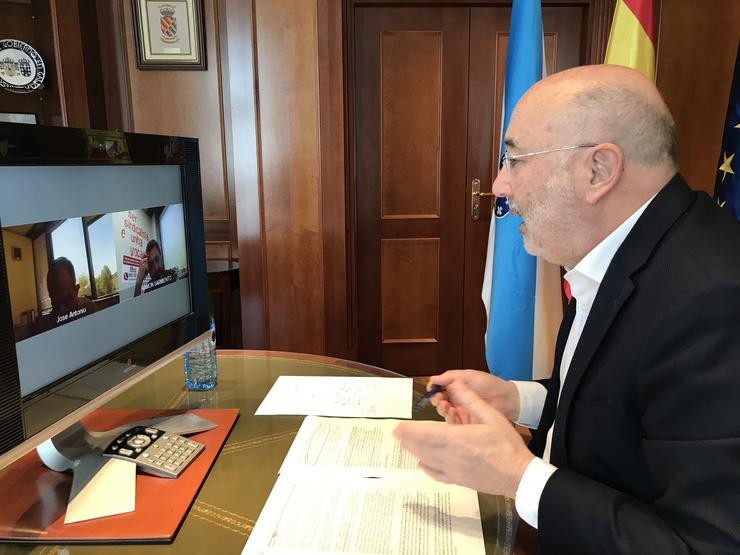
(102, 266)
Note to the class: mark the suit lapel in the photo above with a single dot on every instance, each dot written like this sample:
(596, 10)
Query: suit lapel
(616, 288)
(537, 445)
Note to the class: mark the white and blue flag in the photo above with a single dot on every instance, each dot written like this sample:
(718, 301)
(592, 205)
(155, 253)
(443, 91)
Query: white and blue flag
(521, 294)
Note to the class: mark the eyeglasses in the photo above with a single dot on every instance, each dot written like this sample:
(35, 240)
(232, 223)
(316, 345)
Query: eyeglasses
(507, 159)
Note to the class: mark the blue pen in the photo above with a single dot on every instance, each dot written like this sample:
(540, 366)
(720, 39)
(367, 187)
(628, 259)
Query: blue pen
(436, 388)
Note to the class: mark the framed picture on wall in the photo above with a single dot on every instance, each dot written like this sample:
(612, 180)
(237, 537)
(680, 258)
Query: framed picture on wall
(169, 34)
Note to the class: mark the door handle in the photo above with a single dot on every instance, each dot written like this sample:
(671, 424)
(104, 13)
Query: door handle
(475, 196)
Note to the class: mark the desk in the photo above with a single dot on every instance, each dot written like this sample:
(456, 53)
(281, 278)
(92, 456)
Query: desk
(240, 481)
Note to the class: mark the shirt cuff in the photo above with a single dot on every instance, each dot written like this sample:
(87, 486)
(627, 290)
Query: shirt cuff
(531, 401)
(527, 501)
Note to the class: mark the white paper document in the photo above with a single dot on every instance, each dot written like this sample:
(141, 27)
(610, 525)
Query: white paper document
(367, 515)
(360, 447)
(339, 396)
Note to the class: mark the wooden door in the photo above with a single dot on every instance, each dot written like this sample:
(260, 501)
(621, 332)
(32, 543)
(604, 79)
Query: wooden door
(427, 100)
(411, 128)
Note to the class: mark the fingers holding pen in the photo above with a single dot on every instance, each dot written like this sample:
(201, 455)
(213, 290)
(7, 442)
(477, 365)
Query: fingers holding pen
(461, 405)
(441, 399)
(447, 410)
(446, 378)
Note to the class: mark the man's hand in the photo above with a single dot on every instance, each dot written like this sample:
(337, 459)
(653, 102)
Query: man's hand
(141, 274)
(497, 393)
(489, 456)
(143, 269)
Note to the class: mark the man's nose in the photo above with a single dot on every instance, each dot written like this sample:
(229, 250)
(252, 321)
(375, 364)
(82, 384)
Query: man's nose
(501, 185)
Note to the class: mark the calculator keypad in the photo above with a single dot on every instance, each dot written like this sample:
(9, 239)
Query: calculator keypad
(155, 451)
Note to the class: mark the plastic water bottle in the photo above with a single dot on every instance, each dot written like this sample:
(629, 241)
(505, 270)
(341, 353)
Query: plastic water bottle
(201, 371)
(202, 399)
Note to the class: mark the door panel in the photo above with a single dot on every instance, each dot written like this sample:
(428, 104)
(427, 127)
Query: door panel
(411, 93)
(409, 288)
(411, 107)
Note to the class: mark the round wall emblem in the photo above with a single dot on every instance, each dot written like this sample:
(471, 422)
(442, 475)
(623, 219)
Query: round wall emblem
(21, 67)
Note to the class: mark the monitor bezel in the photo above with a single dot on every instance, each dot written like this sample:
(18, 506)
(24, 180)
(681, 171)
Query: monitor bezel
(33, 145)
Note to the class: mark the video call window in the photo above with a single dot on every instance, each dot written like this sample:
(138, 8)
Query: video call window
(78, 266)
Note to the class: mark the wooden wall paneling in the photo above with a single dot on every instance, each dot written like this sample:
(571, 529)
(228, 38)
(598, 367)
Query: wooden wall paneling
(217, 230)
(337, 295)
(224, 304)
(91, 59)
(186, 103)
(65, 24)
(228, 219)
(696, 58)
(17, 23)
(66, 36)
(114, 65)
(562, 27)
(288, 101)
(348, 48)
(597, 24)
(218, 250)
(241, 123)
(50, 105)
(181, 102)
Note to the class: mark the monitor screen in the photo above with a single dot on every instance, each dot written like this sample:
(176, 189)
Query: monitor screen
(102, 257)
(102, 261)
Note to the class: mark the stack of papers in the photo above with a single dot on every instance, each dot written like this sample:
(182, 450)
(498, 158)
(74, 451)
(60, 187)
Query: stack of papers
(346, 486)
(335, 515)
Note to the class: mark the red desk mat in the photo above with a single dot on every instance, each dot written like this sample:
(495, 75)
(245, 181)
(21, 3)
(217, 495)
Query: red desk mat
(34, 498)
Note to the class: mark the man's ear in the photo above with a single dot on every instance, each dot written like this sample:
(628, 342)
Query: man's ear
(77, 289)
(606, 166)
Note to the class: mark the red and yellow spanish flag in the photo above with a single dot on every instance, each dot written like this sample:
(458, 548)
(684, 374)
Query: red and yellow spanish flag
(632, 37)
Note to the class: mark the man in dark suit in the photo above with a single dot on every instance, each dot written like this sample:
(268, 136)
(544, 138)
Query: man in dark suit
(637, 441)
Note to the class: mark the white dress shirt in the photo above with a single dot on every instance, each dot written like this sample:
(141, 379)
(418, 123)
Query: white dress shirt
(584, 279)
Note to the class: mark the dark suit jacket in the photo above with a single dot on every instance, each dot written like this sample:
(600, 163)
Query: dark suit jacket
(647, 431)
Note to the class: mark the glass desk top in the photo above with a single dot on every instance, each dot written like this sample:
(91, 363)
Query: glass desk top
(229, 502)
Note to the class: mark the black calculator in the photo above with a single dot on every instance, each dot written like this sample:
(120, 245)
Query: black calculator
(155, 451)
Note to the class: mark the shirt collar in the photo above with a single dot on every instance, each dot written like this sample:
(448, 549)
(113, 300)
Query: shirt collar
(586, 276)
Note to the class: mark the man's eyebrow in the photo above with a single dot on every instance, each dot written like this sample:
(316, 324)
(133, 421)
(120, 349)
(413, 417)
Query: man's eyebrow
(509, 142)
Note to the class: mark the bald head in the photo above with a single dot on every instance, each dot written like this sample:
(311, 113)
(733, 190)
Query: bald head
(588, 146)
(609, 103)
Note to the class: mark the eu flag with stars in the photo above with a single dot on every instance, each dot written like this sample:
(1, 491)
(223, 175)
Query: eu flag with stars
(727, 186)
